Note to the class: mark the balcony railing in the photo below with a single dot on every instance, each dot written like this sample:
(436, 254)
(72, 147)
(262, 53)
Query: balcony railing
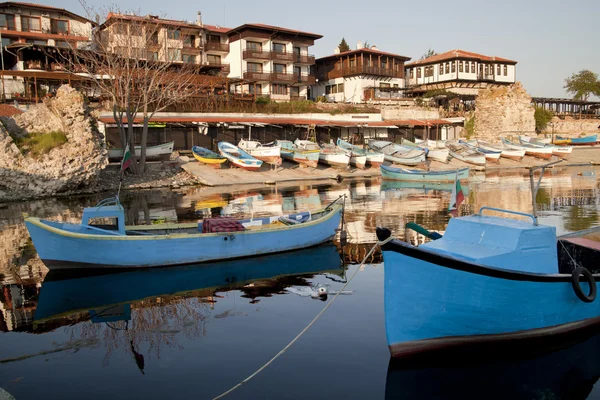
(485, 77)
(364, 69)
(304, 59)
(191, 48)
(297, 98)
(277, 56)
(215, 64)
(280, 77)
(256, 55)
(257, 76)
(217, 46)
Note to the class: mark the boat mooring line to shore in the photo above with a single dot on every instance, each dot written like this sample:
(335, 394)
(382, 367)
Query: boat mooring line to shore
(294, 340)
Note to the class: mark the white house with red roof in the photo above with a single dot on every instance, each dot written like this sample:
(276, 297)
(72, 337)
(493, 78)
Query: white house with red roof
(357, 76)
(271, 61)
(460, 71)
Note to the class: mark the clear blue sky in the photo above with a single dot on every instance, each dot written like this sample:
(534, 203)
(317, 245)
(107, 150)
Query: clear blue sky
(550, 39)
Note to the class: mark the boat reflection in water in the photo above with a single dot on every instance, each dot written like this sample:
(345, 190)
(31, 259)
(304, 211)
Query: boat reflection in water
(566, 373)
(106, 296)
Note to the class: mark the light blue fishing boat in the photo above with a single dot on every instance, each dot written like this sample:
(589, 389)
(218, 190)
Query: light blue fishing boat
(67, 292)
(488, 280)
(212, 239)
(589, 140)
(239, 157)
(397, 153)
(374, 158)
(404, 174)
(290, 151)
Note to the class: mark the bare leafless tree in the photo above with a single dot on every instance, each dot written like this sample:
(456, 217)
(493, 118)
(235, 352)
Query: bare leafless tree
(131, 66)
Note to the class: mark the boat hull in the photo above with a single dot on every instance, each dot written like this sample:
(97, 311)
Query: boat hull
(59, 247)
(357, 161)
(434, 303)
(213, 159)
(516, 155)
(273, 160)
(401, 174)
(152, 152)
(538, 154)
(439, 154)
(375, 159)
(562, 152)
(588, 140)
(269, 154)
(335, 160)
(493, 157)
(308, 158)
(238, 157)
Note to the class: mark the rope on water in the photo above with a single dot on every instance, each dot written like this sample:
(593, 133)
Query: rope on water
(294, 340)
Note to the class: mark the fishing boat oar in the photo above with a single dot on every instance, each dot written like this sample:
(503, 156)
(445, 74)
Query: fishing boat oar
(419, 229)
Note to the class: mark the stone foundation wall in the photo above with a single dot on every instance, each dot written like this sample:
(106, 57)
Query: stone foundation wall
(397, 112)
(506, 110)
(74, 164)
(574, 127)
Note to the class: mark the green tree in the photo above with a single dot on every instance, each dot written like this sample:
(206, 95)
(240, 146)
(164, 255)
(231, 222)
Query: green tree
(583, 84)
(542, 118)
(429, 53)
(470, 127)
(343, 46)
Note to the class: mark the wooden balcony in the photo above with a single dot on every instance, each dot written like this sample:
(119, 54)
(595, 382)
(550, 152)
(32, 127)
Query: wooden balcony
(256, 55)
(217, 46)
(257, 76)
(191, 49)
(305, 79)
(304, 59)
(283, 77)
(363, 69)
(224, 66)
(285, 57)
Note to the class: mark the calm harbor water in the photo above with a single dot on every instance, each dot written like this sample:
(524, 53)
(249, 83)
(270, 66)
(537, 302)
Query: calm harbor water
(196, 331)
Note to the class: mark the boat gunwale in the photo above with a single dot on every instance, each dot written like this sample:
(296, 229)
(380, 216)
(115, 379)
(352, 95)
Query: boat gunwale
(333, 210)
(455, 263)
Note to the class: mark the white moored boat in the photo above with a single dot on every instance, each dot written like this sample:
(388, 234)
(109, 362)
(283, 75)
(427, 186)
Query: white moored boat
(152, 152)
(397, 153)
(465, 153)
(533, 151)
(516, 155)
(271, 154)
(336, 157)
(373, 158)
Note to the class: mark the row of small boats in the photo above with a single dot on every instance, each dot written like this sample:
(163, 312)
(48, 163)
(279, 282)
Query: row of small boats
(250, 155)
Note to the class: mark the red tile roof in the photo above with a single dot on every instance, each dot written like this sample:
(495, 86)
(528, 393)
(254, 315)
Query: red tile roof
(148, 18)
(9, 111)
(287, 121)
(275, 29)
(44, 7)
(216, 28)
(453, 54)
(367, 51)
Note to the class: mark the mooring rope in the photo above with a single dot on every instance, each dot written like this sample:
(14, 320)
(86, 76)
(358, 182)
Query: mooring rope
(294, 340)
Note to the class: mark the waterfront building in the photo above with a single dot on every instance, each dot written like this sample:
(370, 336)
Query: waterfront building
(271, 61)
(29, 33)
(459, 71)
(360, 75)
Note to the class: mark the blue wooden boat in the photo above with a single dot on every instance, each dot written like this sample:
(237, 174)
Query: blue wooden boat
(404, 174)
(211, 239)
(589, 140)
(207, 156)
(290, 151)
(488, 280)
(239, 157)
(397, 153)
(67, 292)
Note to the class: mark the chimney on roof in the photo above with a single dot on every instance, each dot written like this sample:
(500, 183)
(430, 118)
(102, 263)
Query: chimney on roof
(359, 45)
(336, 50)
(199, 19)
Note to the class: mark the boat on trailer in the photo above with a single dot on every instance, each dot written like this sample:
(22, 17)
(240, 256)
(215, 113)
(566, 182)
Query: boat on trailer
(489, 280)
(95, 244)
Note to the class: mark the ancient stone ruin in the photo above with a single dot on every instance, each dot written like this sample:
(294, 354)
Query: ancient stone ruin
(504, 111)
(72, 165)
